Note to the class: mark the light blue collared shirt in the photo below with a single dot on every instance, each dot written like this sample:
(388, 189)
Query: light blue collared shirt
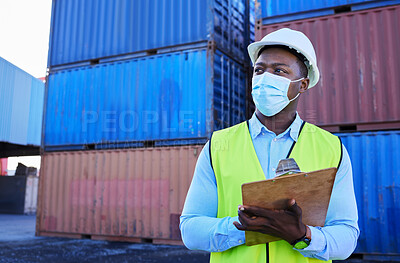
(202, 230)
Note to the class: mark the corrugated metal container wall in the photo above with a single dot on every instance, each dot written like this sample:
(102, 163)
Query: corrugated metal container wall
(374, 157)
(93, 29)
(21, 106)
(359, 59)
(115, 194)
(176, 96)
(31, 194)
(273, 11)
(12, 194)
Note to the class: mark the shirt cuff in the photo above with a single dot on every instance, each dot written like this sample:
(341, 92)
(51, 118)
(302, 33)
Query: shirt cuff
(236, 237)
(318, 242)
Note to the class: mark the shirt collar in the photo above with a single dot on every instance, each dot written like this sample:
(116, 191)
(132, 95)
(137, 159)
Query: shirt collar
(256, 127)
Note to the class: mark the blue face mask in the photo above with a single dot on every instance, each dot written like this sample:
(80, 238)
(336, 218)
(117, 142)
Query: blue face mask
(270, 93)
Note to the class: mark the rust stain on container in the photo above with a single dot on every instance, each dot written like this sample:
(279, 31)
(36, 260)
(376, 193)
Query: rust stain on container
(359, 60)
(129, 194)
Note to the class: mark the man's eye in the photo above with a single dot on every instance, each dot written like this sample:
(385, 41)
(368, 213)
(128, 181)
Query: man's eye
(279, 70)
(258, 70)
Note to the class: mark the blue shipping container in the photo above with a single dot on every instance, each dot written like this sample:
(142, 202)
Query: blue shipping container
(93, 29)
(272, 11)
(21, 106)
(376, 171)
(174, 98)
(252, 19)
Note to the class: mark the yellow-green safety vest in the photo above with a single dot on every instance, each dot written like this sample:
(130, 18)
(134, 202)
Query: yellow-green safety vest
(235, 162)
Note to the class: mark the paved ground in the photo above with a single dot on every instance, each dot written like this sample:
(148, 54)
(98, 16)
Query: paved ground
(17, 227)
(19, 244)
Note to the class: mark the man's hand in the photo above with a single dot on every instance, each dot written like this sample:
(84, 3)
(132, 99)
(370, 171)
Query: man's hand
(286, 224)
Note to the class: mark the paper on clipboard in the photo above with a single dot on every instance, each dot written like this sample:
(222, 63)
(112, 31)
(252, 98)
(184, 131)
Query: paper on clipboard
(312, 192)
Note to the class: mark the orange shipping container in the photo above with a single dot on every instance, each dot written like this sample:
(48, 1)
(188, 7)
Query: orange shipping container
(122, 195)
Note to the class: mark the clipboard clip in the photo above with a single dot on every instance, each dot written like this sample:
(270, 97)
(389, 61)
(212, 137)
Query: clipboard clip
(286, 167)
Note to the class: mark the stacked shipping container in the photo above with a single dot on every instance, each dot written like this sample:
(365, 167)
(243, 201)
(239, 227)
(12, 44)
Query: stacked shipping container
(178, 75)
(21, 111)
(376, 175)
(358, 57)
(88, 31)
(272, 12)
(124, 194)
(128, 82)
(168, 98)
(18, 194)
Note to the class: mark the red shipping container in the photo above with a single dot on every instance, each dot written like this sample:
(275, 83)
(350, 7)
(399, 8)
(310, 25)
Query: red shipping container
(358, 57)
(134, 195)
(3, 166)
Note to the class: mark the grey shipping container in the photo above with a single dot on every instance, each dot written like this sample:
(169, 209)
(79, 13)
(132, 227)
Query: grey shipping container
(18, 194)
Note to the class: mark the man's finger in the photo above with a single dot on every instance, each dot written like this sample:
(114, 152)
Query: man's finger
(239, 226)
(257, 211)
(243, 218)
(291, 202)
(294, 207)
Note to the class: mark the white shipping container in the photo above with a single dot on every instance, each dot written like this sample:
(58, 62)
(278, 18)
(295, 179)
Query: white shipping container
(31, 193)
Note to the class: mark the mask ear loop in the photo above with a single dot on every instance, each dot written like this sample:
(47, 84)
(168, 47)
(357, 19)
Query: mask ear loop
(298, 94)
(297, 80)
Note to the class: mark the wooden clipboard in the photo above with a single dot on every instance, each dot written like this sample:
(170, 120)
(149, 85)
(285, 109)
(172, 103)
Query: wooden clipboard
(312, 192)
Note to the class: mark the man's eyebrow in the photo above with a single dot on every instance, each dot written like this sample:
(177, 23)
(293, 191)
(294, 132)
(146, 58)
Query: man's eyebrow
(273, 64)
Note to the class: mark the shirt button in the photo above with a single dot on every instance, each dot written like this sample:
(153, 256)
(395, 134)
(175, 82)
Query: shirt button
(273, 169)
(275, 140)
(240, 241)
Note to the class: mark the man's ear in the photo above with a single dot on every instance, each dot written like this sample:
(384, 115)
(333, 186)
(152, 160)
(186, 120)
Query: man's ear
(304, 85)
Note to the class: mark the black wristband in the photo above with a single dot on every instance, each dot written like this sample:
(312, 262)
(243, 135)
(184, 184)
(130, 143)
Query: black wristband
(300, 239)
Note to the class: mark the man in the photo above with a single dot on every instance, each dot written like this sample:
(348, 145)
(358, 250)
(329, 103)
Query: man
(285, 66)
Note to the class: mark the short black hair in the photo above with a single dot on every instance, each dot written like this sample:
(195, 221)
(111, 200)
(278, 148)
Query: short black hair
(301, 59)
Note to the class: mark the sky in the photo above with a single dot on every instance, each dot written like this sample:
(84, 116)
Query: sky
(24, 34)
(26, 160)
(24, 41)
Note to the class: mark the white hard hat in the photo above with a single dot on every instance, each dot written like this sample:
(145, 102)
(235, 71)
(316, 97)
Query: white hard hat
(295, 40)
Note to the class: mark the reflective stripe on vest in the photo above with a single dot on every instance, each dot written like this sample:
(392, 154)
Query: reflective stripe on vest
(235, 162)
